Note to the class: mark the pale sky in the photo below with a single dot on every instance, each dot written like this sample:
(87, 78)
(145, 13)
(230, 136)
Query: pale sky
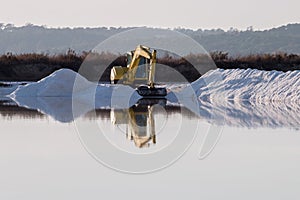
(261, 14)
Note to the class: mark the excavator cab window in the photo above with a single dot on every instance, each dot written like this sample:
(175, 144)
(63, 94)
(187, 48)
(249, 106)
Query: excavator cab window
(141, 122)
(142, 68)
(141, 119)
(129, 58)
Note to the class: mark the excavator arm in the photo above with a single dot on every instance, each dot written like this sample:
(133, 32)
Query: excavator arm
(142, 52)
(128, 74)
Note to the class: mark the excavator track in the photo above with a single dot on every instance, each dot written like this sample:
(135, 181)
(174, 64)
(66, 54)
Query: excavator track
(148, 92)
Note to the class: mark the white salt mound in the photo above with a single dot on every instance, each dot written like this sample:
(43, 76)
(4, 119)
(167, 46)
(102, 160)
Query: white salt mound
(67, 83)
(232, 84)
(250, 84)
(66, 94)
(58, 84)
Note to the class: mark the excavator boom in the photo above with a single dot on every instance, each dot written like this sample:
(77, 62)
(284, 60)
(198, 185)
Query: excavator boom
(141, 67)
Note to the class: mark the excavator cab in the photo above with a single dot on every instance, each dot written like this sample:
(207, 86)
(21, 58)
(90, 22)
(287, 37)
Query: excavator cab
(139, 73)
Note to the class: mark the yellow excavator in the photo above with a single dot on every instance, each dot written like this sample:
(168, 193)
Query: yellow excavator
(140, 68)
(140, 124)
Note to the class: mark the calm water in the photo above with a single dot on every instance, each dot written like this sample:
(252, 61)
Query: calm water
(233, 151)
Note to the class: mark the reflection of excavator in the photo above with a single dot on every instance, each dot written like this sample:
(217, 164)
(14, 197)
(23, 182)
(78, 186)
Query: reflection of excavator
(140, 123)
(140, 69)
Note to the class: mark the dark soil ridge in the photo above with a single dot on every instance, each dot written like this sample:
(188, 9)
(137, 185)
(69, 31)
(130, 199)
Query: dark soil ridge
(33, 67)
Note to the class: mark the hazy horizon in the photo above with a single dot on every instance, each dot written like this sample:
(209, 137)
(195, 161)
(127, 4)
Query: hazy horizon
(190, 14)
(124, 27)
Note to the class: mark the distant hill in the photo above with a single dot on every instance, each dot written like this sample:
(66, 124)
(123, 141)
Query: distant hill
(39, 39)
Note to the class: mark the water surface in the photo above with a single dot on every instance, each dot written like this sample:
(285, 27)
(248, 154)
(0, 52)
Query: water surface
(256, 155)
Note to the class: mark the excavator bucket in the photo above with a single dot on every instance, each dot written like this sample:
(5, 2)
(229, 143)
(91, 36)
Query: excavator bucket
(155, 92)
